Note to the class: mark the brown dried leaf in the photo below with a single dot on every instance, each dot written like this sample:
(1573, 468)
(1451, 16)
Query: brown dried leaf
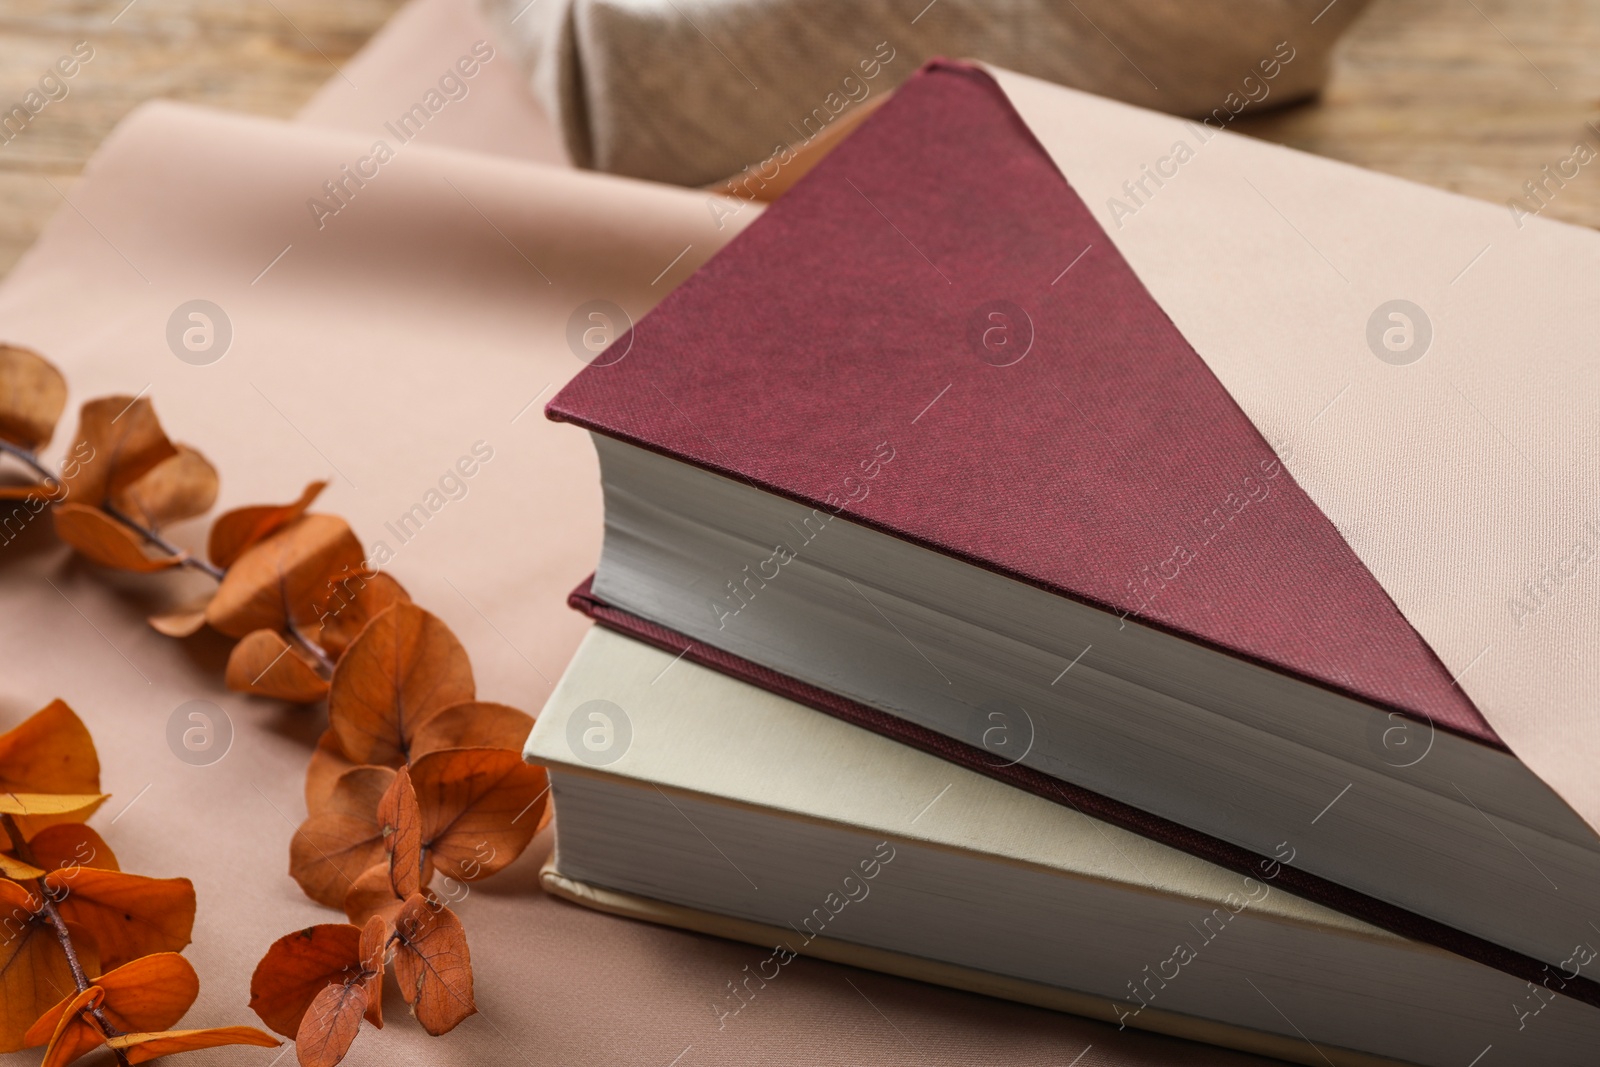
(372, 896)
(124, 441)
(405, 666)
(236, 530)
(72, 1033)
(33, 968)
(297, 967)
(401, 824)
(334, 846)
(49, 752)
(328, 762)
(480, 808)
(72, 845)
(285, 579)
(330, 1025)
(32, 396)
(142, 1048)
(475, 724)
(265, 664)
(41, 809)
(185, 623)
(149, 993)
(374, 946)
(359, 596)
(180, 487)
(99, 537)
(18, 871)
(128, 915)
(431, 964)
(40, 491)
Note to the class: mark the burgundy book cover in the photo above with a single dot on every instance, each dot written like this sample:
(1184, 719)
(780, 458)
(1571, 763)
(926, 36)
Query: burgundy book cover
(1103, 461)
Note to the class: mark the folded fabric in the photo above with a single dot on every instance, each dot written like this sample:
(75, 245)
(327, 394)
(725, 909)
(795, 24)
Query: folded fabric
(692, 91)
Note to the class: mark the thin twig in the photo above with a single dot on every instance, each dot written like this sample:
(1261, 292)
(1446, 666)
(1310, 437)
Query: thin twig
(310, 646)
(183, 557)
(30, 459)
(25, 853)
(54, 483)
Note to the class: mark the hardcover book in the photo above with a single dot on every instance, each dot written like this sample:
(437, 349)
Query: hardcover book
(922, 443)
(686, 797)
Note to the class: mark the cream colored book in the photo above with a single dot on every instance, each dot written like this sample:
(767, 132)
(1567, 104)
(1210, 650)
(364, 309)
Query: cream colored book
(686, 797)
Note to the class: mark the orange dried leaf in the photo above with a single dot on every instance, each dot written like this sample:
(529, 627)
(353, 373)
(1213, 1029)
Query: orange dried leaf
(16, 870)
(476, 724)
(480, 808)
(330, 1025)
(72, 845)
(284, 579)
(34, 812)
(40, 491)
(33, 968)
(236, 530)
(334, 846)
(72, 1032)
(49, 752)
(32, 396)
(359, 596)
(150, 993)
(180, 487)
(184, 623)
(374, 946)
(119, 440)
(328, 762)
(297, 967)
(265, 664)
(405, 666)
(372, 897)
(141, 1048)
(43, 806)
(128, 915)
(431, 964)
(104, 540)
(401, 825)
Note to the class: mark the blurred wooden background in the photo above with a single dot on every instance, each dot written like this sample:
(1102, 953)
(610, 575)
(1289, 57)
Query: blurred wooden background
(1472, 95)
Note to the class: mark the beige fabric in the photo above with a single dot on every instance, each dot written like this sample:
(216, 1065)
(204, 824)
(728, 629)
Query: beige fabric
(691, 91)
(1468, 480)
(376, 351)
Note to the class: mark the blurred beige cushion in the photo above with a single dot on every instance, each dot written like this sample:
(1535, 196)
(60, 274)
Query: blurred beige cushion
(692, 91)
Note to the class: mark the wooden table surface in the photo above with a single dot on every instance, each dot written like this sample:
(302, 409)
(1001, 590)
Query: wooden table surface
(1471, 95)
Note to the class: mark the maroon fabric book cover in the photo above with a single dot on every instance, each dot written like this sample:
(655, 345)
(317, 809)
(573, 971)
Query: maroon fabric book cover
(935, 283)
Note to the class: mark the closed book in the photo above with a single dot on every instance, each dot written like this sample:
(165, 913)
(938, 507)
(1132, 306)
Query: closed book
(923, 440)
(687, 797)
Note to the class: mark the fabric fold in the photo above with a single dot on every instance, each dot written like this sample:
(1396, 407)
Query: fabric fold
(690, 93)
(1419, 359)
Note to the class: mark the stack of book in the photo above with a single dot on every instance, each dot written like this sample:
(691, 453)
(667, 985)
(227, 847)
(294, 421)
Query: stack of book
(955, 622)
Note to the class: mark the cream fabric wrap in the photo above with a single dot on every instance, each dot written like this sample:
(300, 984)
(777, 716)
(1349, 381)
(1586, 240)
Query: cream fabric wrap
(691, 91)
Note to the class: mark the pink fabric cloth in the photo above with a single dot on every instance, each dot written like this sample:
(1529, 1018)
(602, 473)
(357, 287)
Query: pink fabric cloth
(429, 313)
